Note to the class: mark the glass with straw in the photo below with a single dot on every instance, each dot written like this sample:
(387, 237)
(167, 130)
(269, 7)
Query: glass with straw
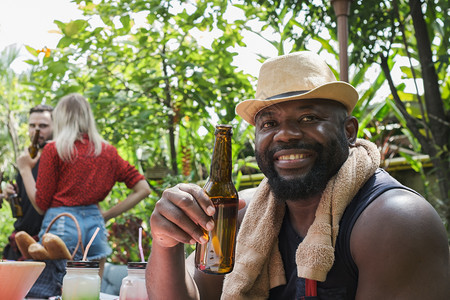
(82, 280)
(133, 285)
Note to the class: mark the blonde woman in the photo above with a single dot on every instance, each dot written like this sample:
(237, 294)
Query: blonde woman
(77, 171)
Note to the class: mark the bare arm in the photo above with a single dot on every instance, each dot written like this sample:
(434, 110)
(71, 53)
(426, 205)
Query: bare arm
(25, 164)
(400, 247)
(179, 218)
(139, 191)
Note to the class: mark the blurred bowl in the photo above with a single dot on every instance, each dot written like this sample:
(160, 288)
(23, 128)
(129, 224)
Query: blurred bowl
(17, 278)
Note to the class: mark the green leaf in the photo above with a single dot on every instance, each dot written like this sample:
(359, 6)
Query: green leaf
(125, 20)
(74, 27)
(31, 50)
(64, 42)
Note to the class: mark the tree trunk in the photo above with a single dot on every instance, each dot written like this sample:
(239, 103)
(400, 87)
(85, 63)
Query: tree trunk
(436, 118)
(171, 122)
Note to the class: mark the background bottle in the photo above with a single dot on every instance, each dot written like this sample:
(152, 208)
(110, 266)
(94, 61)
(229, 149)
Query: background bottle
(217, 256)
(14, 201)
(34, 147)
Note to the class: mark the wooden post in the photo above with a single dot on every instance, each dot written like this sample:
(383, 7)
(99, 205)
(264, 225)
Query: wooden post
(342, 11)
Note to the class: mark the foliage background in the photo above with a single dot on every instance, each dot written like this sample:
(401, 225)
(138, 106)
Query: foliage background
(157, 88)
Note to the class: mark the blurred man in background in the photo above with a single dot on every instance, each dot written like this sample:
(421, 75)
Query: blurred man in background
(40, 117)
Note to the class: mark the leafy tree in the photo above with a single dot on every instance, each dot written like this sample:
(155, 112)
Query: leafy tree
(147, 76)
(12, 100)
(155, 88)
(381, 33)
(13, 116)
(414, 30)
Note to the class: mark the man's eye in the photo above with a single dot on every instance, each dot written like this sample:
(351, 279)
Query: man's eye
(308, 118)
(268, 124)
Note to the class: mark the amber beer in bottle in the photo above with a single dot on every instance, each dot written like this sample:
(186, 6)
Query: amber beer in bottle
(34, 147)
(14, 201)
(217, 255)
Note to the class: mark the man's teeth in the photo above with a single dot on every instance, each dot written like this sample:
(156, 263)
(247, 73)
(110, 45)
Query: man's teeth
(292, 157)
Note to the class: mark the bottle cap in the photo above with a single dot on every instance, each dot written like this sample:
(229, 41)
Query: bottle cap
(223, 129)
(137, 265)
(82, 264)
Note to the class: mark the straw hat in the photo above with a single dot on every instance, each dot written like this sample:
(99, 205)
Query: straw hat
(296, 76)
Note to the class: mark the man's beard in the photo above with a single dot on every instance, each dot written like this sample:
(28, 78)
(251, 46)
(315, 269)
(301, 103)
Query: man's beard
(329, 160)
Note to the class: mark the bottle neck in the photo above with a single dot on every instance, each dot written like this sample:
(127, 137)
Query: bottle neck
(36, 138)
(221, 164)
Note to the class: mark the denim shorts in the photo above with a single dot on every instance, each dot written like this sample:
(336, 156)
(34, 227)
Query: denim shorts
(89, 218)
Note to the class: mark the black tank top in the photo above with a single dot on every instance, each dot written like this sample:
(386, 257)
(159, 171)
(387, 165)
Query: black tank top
(342, 279)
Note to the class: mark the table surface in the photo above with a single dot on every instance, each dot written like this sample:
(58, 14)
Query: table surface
(103, 296)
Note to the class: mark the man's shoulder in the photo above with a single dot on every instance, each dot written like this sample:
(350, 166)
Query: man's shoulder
(375, 187)
(388, 198)
(394, 214)
(399, 238)
(400, 201)
(398, 207)
(399, 218)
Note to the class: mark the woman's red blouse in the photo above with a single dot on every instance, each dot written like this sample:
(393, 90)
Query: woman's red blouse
(87, 180)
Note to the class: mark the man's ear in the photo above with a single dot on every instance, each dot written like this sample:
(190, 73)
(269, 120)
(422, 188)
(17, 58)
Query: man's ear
(351, 129)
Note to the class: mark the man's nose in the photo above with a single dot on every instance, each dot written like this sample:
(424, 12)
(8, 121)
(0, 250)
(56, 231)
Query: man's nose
(288, 130)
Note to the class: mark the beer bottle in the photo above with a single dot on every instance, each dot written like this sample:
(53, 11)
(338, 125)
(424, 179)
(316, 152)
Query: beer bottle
(217, 255)
(34, 147)
(14, 202)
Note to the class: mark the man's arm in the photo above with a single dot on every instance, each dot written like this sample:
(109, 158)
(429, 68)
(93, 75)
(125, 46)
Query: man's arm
(179, 218)
(25, 164)
(400, 246)
(167, 276)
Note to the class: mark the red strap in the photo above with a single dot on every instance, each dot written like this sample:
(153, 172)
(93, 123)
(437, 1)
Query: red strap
(310, 288)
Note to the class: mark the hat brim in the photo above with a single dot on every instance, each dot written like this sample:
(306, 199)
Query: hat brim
(339, 91)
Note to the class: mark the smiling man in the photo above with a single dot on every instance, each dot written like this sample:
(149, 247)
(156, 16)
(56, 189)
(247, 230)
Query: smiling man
(325, 223)
(40, 117)
(299, 164)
